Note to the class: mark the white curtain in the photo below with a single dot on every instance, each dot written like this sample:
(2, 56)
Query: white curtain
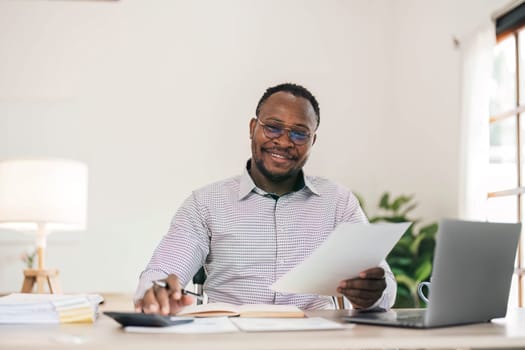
(476, 75)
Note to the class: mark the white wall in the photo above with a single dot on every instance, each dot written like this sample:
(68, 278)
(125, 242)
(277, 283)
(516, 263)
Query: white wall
(156, 96)
(424, 122)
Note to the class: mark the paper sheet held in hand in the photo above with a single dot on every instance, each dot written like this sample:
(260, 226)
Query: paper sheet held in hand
(348, 250)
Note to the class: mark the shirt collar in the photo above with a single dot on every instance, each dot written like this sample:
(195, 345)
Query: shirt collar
(247, 185)
(309, 185)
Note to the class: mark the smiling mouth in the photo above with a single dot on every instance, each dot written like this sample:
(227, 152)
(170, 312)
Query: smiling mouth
(276, 155)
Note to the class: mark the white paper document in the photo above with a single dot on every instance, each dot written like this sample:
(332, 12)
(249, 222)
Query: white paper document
(285, 324)
(199, 325)
(348, 250)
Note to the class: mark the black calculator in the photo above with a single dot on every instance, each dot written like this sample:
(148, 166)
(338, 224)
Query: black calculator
(146, 320)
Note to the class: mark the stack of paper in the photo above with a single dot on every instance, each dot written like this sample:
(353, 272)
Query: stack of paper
(48, 308)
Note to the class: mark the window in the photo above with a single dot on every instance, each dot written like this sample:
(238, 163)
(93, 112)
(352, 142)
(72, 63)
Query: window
(506, 176)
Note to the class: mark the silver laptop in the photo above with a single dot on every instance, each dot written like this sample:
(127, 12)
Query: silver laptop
(472, 272)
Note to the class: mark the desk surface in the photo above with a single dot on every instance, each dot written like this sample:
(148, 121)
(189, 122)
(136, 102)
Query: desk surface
(106, 334)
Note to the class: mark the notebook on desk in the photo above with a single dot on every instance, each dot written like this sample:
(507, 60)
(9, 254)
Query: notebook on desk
(473, 266)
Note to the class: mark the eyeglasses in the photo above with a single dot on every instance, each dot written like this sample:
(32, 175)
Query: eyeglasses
(274, 131)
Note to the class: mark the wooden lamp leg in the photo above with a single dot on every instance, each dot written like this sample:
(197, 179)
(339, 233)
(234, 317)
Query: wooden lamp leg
(29, 282)
(42, 278)
(54, 283)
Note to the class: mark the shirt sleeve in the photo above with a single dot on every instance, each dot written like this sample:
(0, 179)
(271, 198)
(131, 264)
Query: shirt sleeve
(354, 213)
(182, 251)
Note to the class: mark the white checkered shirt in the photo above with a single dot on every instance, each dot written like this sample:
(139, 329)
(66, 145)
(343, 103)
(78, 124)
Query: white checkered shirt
(246, 240)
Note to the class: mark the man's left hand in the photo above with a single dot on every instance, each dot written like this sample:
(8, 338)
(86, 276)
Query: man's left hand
(365, 290)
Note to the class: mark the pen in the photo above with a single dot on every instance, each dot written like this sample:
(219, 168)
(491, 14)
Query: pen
(163, 284)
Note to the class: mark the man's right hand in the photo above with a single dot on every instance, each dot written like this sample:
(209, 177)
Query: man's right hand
(164, 301)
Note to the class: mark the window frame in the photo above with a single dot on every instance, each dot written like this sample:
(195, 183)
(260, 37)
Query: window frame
(519, 190)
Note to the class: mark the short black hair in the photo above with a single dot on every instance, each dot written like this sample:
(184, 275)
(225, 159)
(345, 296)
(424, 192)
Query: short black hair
(294, 89)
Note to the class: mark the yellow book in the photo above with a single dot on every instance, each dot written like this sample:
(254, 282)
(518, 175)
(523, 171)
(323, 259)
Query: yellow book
(247, 310)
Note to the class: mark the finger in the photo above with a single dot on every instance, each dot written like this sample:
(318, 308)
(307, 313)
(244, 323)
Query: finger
(363, 284)
(149, 302)
(173, 285)
(177, 305)
(373, 273)
(187, 300)
(162, 296)
(361, 294)
(138, 305)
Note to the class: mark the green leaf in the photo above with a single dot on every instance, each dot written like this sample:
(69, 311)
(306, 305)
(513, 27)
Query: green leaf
(429, 230)
(423, 271)
(403, 291)
(383, 202)
(400, 201)
(376, 219)
(414, 247)
(426, 247)
(401, 249)
(397, 271)
(408, 282)
(400, 261)
(395, 219)
(426, 255)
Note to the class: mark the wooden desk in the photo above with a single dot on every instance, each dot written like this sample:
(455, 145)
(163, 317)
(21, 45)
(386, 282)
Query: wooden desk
(106, 334)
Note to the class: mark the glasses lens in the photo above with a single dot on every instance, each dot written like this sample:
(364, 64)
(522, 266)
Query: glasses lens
(298, 137)
(272, 131)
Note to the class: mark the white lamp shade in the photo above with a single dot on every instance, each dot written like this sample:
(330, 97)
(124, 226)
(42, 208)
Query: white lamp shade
(52, 192)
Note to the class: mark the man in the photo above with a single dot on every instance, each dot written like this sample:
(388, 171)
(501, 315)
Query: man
(249, 230)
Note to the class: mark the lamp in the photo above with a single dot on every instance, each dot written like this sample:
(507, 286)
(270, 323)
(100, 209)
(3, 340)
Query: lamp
(42, 195)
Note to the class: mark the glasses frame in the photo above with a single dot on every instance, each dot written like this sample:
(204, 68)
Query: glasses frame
(283, 128)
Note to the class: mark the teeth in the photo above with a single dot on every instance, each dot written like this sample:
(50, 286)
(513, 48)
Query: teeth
(278, 155)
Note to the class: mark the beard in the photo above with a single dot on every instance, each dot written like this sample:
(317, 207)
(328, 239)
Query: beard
(277, 178)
